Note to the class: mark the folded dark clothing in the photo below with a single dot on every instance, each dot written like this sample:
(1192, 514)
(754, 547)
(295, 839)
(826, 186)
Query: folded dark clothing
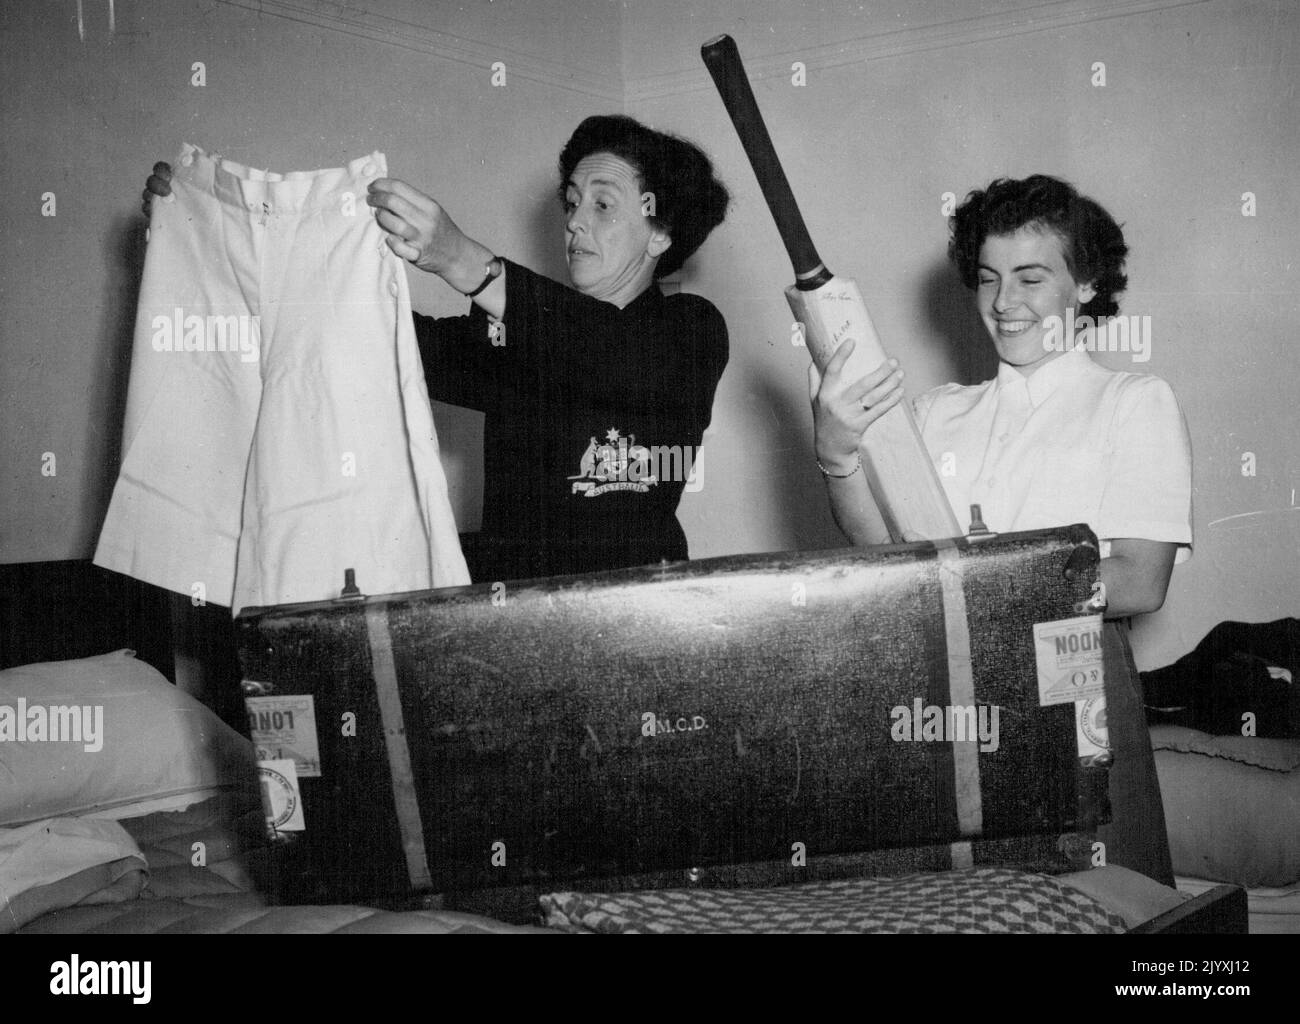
(1238, 680)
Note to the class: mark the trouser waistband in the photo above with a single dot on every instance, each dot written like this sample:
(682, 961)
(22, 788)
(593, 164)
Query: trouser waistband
(272, 192)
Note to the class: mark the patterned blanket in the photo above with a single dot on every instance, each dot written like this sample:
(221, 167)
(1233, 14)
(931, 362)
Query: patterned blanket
(978, 901)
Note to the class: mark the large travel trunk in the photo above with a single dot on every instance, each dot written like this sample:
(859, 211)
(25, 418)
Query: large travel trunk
(657, 722)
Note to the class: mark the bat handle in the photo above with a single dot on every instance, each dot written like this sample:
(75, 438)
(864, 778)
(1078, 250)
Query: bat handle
(722, 58)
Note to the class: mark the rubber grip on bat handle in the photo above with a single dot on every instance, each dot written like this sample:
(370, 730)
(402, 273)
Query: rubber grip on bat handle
(722, 58)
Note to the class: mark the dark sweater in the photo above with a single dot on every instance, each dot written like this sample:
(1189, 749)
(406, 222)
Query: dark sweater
(593, 421)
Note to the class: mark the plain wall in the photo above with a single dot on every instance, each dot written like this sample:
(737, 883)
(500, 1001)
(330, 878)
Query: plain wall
(904, 101)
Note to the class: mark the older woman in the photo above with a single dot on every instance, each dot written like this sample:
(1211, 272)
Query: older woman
(597, 395)
(1054, 438)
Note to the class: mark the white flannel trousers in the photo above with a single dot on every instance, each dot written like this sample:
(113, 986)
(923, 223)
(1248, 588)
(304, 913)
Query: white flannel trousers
(278, 428)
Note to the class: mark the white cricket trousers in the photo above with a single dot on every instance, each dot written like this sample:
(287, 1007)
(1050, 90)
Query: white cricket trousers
(278, 428)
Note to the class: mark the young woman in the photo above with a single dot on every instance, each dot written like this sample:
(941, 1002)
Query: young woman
(1054, 438)
(596, 395)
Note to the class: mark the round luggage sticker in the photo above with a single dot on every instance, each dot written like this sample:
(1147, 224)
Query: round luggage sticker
(280, 800)
(1094, 721)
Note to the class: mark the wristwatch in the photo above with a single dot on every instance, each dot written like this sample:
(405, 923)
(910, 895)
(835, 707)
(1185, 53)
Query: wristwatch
(492, 270)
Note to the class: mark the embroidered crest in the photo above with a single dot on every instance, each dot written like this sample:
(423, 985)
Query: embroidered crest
(620, 464)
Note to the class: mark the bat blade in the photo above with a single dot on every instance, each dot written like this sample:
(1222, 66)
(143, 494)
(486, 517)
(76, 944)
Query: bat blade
(832, 314)
(899, 469)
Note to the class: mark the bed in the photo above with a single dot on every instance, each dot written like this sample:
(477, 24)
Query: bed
(1232, 804)
(1225, 728)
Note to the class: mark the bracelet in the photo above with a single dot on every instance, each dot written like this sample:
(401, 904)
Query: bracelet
(492, 269)
(841, 476)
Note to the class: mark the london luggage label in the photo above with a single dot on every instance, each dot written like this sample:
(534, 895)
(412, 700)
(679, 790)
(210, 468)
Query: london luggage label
(285, 728)
(1068, 653)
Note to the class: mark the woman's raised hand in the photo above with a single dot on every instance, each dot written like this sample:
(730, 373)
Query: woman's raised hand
(844, 409)
(419, 229)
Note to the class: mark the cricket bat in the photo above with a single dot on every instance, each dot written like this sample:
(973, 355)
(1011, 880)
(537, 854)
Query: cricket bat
(899, 470)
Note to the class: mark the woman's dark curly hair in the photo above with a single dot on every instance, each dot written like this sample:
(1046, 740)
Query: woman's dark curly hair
(689, 201)
(1091, 241)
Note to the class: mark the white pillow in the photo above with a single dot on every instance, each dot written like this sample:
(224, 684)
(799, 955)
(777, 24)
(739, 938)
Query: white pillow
(109, 737)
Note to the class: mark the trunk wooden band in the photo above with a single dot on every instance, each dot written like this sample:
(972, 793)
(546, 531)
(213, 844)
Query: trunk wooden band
(399, 759)
(961, 688)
